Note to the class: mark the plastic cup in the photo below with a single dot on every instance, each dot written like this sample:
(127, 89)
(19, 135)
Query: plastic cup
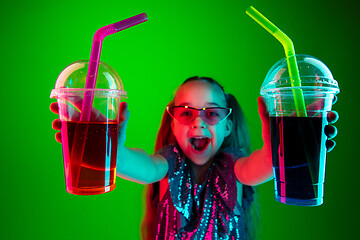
(298, 142)
(89, 147)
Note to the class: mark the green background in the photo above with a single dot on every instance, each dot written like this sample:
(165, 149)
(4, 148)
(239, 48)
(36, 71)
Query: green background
(180, 40)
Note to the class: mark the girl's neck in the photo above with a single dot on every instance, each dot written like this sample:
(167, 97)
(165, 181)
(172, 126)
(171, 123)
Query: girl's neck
(199, 171)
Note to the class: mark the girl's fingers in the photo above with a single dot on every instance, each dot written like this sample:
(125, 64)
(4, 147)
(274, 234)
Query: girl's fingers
(54, 107)
(74, 110)
(56, 124)
(264, 114)
(332, 117)
(97, 116)
(265, 122)
(316, 106)
(123, 112)
(76, 101)
(330, 131)
(330, 144)
(58, 137)
(123, 119)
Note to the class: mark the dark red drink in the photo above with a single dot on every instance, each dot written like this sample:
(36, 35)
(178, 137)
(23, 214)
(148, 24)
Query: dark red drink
(92, 171)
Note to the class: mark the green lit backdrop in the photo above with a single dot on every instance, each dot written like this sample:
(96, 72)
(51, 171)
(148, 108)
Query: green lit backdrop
(180, 40)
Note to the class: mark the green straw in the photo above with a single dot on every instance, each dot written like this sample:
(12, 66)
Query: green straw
(290, 56)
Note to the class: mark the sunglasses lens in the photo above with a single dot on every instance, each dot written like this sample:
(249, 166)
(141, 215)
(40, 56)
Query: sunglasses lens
(183, 115)
(211, 116)
(214, 115)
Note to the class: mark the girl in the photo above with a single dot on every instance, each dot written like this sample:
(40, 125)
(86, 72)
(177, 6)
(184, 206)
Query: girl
(201, 173)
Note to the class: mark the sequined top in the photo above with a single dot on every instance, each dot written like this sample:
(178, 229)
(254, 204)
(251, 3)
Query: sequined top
(210, 210)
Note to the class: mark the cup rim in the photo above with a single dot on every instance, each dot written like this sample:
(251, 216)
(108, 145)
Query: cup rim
(57, 92)
(306, 90)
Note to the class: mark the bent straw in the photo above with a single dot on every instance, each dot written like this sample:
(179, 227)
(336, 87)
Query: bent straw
(95, 57)
(80, 134)
(290, 56)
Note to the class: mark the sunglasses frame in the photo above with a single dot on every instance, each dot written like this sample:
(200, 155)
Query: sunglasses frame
(199, 114)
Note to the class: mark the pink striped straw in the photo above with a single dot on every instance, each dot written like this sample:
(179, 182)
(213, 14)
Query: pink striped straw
(95, 58)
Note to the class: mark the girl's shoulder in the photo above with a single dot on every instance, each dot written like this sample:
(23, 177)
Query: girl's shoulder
(170, 152)
(173, 155)
(168, 149)
(232, 153)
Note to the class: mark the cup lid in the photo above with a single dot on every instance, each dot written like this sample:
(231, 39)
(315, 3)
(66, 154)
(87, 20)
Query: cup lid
(313, 74)
(73, 78)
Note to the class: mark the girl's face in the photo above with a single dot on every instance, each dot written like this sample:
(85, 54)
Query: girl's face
(198, 140)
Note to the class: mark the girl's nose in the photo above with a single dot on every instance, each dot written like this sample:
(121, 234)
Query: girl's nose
(198, 123)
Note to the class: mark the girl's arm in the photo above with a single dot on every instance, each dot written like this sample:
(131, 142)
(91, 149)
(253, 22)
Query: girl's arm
(135, 164)
(257, 168)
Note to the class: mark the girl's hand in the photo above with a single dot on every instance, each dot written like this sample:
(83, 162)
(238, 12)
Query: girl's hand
(330, 130)
(124, 115)
(95, 116)
(265, 122)
(56, 124)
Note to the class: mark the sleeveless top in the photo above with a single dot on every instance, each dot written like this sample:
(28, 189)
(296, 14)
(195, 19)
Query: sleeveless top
(211, 210)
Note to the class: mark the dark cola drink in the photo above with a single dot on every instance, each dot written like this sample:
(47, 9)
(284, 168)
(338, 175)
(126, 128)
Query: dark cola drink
(299, 156)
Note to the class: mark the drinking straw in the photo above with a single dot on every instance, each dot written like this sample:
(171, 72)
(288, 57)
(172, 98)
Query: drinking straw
(80, 134)
(95, 57)
(290, 56)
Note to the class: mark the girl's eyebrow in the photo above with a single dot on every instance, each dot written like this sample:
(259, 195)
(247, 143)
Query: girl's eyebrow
(211, 104)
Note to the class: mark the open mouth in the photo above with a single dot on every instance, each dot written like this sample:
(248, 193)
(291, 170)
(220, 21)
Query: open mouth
(199, 143)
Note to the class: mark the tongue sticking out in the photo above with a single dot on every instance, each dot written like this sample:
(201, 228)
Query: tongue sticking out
(199, 144)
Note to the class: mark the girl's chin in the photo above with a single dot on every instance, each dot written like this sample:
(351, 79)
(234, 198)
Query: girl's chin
(198, 157)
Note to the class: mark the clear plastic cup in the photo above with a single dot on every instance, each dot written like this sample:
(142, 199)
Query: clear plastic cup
(298, 143)
(89, 147)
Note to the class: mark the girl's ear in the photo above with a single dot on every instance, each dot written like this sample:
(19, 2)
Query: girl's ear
(228, 127)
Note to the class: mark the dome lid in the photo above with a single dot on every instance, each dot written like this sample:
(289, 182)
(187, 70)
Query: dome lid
(73, 78)
(313, 74)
